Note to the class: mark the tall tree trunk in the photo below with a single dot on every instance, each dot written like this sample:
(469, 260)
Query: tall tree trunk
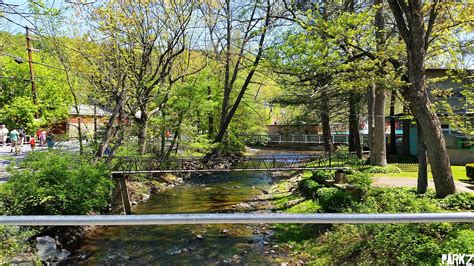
(109, 129)
(406, 135)
(163, 142)
(210, 116)
(354, 133)
(325, 121)
(223, 129)
(411, 25)
(142, 123)
(227, 86)
(393, 133)
(422, 184)
(370, 114)
(378, 152)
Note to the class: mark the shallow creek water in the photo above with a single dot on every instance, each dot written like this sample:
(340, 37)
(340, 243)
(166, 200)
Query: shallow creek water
(177, 244)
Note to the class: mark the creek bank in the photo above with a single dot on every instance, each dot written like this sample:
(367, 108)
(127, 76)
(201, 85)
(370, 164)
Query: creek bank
(269, 201)
(71, 237)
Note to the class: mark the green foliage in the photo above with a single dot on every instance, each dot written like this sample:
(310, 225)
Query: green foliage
(232, 146)
(307, 206)
(470, 170)
(459, 242)
(458, 201)
(360, 180)
(393, 243)
(325, 175)
(56, 183)
(393, 200)
(19, 113)
(200, 145)
(343, 154)
(387, 243)
(389, 169)
(334, 199)
(12, 241)
(308, 187)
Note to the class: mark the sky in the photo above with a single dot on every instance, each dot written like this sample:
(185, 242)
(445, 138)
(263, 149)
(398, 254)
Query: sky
(18, 23)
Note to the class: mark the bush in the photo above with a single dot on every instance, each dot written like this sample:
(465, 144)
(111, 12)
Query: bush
(323, 175)
(394, 200)
(12, 242)
(56, 183)
(389, 169)
(360, 180)
(308, 187)
(458, 201)
(333, 199)
(392, 244)
(470, 170)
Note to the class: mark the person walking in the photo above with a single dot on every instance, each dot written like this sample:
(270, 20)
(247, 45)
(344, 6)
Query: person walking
(42, 137)
(3, 135)
(50, 140)
(32, 143)
(13, 139)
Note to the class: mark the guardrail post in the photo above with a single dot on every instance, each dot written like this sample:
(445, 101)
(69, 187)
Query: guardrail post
(124, 191)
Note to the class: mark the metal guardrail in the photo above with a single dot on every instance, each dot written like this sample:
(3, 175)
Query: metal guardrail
(239, 218)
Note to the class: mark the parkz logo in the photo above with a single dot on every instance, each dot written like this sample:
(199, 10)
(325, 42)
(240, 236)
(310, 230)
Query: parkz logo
(457, 259)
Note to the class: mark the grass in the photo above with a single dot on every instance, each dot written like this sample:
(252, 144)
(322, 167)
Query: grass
(459, 173)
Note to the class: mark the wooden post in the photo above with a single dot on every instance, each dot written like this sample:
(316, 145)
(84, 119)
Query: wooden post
(340, 177)
(32, 72)
(124, 191)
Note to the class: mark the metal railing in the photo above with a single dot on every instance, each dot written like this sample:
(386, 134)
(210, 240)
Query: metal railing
(239, 218)
(140, 165)
(297, 139)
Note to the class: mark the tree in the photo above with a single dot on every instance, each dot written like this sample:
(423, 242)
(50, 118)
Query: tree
(410, 20)
(252, 23)
(378, 153)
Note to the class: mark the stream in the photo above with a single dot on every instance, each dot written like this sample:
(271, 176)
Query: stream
(181, 244)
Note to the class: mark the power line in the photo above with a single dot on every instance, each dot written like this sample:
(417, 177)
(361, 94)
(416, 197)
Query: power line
(20, 60)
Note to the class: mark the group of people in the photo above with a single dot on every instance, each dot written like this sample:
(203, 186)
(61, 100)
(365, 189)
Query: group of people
(18, 138)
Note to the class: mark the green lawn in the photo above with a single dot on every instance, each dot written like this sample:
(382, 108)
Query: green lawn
(459, 173)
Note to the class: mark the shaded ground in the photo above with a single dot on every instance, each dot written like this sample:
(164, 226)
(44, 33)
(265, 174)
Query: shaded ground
(391, 181)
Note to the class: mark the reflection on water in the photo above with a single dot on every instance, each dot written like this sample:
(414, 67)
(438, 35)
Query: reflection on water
(177, 244)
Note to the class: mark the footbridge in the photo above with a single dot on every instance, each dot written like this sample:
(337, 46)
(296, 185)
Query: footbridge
(124, 167)
(150, 165)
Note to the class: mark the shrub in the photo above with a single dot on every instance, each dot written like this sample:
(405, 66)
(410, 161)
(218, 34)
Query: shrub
(458, 201)
(12, 242)
(392, 244)
(308, 187)
(389, 169)
(470, 170)
(56, 183)
(323, 175)
(333, 199)
(360, 180)
(393, 200)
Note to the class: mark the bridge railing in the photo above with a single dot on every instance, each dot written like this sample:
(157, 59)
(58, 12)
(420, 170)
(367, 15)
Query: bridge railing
(296, 138)
(238, 218)
(249, 163)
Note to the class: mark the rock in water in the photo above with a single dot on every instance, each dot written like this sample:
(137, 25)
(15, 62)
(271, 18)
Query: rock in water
(224, 231)
(200, 237)
(46, 247)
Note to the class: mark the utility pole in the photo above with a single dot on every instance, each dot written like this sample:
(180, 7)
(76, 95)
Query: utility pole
(32, 73)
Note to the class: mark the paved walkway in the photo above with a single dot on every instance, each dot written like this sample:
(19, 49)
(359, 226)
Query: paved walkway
(6, 158)
(391, 181)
